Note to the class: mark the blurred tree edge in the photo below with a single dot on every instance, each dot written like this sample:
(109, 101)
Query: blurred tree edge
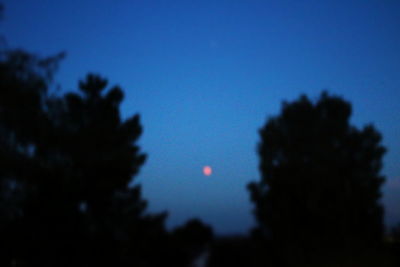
(66, 170)
(319, 192)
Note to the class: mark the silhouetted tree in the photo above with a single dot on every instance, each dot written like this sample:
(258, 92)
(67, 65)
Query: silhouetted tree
(189, 241)
(320, 180)
(24, 81)
(93, 154)
(67, 163)
(194, 231)
(98, 149)
(239, 252)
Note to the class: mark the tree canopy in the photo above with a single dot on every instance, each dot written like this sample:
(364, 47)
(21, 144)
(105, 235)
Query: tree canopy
(68, 163)
(66, 175)
(320, 179)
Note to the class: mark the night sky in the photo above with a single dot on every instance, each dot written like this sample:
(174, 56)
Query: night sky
(206, 75)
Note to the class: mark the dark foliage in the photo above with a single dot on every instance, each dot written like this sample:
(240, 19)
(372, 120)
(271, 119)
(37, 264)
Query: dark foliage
(189, 241)
(242, 252)
(23, 123)
(195, 232)
(66, 195)
(320, 181)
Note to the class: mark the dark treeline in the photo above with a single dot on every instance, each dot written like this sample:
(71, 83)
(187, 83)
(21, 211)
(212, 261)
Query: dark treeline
(67, 164)
(318, 200)
(68, 196)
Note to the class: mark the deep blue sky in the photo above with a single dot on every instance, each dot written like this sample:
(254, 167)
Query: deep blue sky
(205, 75)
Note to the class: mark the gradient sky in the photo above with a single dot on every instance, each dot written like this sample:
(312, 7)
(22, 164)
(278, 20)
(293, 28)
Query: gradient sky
(205, 76)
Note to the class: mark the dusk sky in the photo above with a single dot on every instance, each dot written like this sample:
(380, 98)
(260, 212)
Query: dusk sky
(206, 75)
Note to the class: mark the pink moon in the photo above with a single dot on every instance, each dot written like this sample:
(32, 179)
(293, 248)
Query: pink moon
(207, 171)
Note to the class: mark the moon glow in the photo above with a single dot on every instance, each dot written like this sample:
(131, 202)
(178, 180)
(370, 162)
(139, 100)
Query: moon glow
(207, 171)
